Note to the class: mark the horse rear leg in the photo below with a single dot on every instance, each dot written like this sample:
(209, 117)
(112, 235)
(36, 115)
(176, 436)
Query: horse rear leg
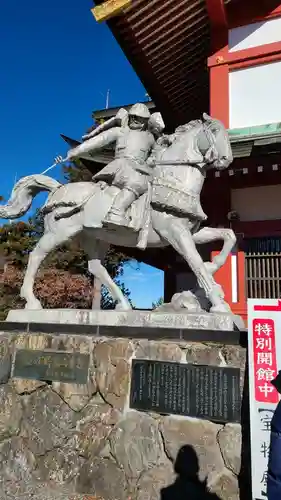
(96, 250)
(45, 245)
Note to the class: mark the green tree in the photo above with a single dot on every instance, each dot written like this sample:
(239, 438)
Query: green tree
(158, 303)
(76, 172)
(17, 240)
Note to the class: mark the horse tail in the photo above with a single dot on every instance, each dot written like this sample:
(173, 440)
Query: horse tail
(23, 193)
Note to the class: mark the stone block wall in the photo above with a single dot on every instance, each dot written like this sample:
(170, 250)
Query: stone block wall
(65, 441)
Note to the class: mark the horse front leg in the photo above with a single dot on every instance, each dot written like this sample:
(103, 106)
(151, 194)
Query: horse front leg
(208, 234)
(26, 292)
(177, 233)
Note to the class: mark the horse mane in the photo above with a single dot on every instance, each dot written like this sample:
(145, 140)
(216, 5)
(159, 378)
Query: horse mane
(188, 126)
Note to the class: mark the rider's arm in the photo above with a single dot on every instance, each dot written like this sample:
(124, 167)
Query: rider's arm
(99, 142)
(151, 160)
(156, 151)
(116, 121)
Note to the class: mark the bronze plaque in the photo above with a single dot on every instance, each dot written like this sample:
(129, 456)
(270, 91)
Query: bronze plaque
(53, 366)
(206, 392)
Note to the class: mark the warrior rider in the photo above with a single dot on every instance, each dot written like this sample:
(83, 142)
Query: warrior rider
(129, 170)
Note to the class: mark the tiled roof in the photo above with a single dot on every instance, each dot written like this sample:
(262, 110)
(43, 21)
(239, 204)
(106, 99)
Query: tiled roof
(167, 42)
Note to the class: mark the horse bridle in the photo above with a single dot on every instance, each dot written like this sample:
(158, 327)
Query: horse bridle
(209, 134)
(210, 138)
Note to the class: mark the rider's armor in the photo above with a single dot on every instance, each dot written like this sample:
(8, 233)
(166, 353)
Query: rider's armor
(128, 169)
(134, 135)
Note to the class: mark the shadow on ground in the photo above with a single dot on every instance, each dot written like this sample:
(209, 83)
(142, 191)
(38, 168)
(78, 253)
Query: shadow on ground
(187, 483)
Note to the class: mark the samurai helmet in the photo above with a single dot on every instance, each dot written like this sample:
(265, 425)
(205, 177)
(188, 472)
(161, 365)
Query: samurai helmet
(140, 110)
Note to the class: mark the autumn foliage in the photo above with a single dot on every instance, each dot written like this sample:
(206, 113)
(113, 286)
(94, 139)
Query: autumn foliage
(54, 288)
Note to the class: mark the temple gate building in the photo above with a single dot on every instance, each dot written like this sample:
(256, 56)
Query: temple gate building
(223, 58)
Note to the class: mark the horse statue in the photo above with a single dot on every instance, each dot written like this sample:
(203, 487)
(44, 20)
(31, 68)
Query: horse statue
(168, 214)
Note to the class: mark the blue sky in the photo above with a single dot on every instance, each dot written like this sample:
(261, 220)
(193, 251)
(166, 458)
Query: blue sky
(56, 66)
(146, 283)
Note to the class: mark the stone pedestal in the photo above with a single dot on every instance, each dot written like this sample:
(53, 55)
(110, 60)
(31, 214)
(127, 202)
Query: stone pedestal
(134, 318)
(69, 441)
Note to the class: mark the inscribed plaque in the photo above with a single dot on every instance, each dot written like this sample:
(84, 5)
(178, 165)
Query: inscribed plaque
(60, 366)
(207, 392)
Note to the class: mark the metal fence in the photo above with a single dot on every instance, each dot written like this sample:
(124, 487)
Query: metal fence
(263, 268)
(263, 275)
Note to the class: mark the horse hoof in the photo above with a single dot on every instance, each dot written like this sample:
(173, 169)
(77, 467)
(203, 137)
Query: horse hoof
(35, 305)
(123, 307)
(221, 308)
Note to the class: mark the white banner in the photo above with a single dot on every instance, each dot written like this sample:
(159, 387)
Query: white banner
(264, 343)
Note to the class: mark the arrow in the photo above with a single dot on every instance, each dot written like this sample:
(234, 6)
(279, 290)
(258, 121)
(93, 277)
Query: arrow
(269, 308)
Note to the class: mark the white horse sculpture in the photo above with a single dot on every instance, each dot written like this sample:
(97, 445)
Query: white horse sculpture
(181, 171)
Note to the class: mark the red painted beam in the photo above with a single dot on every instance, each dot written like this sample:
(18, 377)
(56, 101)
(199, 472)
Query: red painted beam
(217, 13)
(248, 57)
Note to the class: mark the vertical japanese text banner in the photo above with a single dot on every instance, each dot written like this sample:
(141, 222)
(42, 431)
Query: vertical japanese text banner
(264, 344)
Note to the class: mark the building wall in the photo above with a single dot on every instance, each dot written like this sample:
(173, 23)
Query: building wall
(257, 203)
(254, 95)
(245, 75)
(254, 34)
(254, 90)
(245, 68)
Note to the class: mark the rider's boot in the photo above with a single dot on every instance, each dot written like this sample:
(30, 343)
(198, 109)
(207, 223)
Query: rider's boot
(117, 213)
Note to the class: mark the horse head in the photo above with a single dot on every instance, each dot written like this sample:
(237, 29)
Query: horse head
(205, 141)
(219, 153)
